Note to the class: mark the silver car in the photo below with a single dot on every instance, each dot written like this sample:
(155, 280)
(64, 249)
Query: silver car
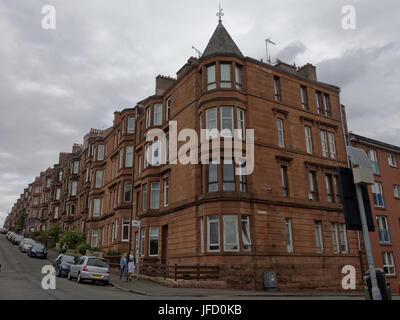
(26, 244)
(90, 268)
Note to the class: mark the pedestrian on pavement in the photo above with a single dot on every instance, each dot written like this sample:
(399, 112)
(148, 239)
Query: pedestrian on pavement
(131, 265)
(123, 265)
(64, 248)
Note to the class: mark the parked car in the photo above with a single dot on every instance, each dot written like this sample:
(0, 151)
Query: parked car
(38, 250)
(3, 231)
(9, 235)
(63, 263)
(16, 239)
(90, 268)
(26, 244)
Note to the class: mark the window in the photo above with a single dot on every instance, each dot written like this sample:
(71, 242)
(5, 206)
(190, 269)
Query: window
(225, 72)
(332, 146)
(148, 117)
(242, 178)
(131, 124)
(56, 212)
(396, 190)
(313, 185)
(127, 191)
(168, 109)
(388, 263)
(374, 160)
(211, 121)
(211, 79)
(46, 198)
(155, 156)
(318, 236)
(144, 198)
(100, 152)
(324, 143)
(337, 190)
(383, 230)
(238, 76)
(145, 156)
(343, 238)
(154, 195)
(37, 189)
(392, 160)
(289, 236)
(139, 166)
(246, 239)
(328, 111)
(167, 149)
(121, 158)
(35, 201)
(48, 181)
(307, 131)
(129, 157)
(284, 181)
(142, 240)
(212, 177)
(231, 236)
(304, 97)
(277, 88)
(74, 188)
(240, 123)
(96, 207)
(153, 241)
(281, 138)
(335, 238)
(125, 229)
(157, 114)
(95, 238)
(60, 176)
(99, 178)
(228, 183)
(329, 187)
(123, 127)
(116, 228)
(58, 193)
(226, 121)
(201, 221)
(318, 97)
(76, 167)
(377, 194)
(213, 234)
(166, 187)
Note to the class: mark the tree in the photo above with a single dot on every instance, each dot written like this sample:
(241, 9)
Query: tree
(72, 238)
(53, 232)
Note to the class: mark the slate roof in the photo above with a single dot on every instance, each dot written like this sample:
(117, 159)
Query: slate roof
(221, 43)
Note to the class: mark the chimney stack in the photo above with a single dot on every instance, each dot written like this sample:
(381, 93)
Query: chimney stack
(309, 71)
(163, 83)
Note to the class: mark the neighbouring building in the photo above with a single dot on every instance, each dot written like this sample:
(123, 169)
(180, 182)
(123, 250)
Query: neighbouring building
(385, 204)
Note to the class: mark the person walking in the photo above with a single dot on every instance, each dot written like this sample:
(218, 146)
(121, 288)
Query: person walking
(131, 265)
(123, 265)
(64, 248)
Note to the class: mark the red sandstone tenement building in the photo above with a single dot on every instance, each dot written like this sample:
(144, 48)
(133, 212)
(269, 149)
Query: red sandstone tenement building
(284, 217)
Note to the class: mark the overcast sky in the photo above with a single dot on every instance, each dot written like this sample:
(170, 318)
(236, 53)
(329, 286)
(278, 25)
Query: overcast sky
(104, 56)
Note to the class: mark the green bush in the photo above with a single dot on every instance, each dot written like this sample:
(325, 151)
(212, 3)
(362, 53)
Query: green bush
(39, 236)
(95, 249)
(82, 247)
(72, 238)
(53, 232)
(113, 253)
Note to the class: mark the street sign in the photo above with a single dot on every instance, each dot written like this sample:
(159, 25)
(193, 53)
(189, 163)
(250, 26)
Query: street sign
(135, 223)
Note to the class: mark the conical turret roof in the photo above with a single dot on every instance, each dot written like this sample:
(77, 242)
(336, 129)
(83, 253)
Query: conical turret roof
(221, 43)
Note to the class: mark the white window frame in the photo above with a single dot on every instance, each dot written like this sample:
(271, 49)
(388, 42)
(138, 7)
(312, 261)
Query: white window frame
(308, 135)
(116, 228)
(332, 145)
(96, 207)
(396, 191)
(211, 121)
(226, 132)
(230, 223)
(131, 124)
(100, 152)
(154, 236)
(344, 246)
(99, 179)
(240, 123)
(213, 219)
(155, 195)
(74, 188)
(319, 236)
(129, 156)
(324, 144)
(281, 133)
(125, 224)
(95, 235)
(238, 76)
(392, 160)
(142, 241)
(166, 189)
(148, 117)
(335, 238)
(211, 74)
(388, 262)
(289, 235)
(225, 82)
(157, 121)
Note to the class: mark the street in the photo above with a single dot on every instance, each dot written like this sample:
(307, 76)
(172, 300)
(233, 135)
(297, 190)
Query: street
(21, 277)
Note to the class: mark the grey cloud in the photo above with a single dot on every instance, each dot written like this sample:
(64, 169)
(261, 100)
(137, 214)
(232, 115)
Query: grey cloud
(291, 51)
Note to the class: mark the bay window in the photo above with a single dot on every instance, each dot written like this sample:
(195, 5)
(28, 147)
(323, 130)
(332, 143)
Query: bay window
(157, 114)
(211, 78)
(213, 237)
(153, 241)
(230, 230)
(154, 195)
(225, 73)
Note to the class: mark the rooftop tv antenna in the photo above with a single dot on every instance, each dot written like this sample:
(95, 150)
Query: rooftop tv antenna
(266, 48)
(198, 51)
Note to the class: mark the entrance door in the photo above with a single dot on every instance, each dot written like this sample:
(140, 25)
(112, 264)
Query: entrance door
(164, 245)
